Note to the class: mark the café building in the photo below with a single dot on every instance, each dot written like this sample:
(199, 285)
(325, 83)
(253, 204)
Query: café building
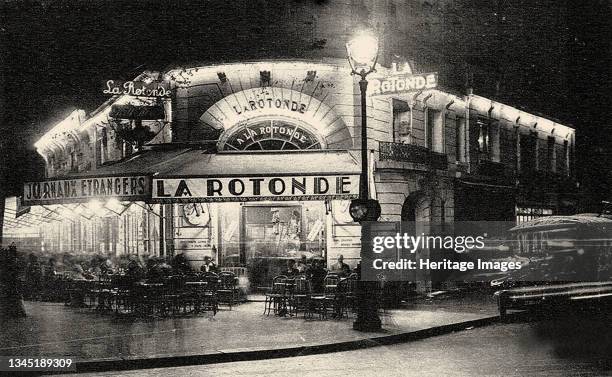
(255, 163)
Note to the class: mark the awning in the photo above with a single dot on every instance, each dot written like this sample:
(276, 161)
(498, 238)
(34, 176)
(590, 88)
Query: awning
(237, 176)
(195, 175)
(153, 112)
(556, 222)
(485, 185)
(198, 163)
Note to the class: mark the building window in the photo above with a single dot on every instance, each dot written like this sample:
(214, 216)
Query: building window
(528, 153)
(550, 155)
(73, 162)
(392, 9)
(459, 139)
(104, 146)
(127, 149)
(53, 163)
(430, 127)
(401, 121)
(568, 157)
(483, 138)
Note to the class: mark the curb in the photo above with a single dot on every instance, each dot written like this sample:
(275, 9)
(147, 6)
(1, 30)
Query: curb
(177, 361)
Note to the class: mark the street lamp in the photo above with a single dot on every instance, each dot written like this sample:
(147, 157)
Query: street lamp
(362, 56)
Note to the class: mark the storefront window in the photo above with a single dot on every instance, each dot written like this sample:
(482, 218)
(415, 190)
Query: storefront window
(263, 236)
(524, 214)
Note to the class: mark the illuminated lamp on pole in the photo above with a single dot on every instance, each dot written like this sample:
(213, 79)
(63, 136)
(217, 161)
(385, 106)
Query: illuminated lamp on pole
(362, 56)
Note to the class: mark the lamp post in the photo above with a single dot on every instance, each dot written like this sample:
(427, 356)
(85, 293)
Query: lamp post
(362, 56)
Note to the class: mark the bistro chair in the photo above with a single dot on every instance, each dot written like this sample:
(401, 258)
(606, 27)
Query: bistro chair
(322, 303)
(102, 291)
(209, 292)
(300, 295)
(122, 294)
(149, 296)
(77, 293)
(227, 290)
(351, 292)
(276, 294)
(173, 294)
(345, 296)
(192, 298)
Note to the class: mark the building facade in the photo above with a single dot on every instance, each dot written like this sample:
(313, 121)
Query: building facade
(254, 163)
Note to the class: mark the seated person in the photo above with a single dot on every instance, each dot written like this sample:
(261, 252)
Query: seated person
(134, 272)
(340, 268)
(291, 271)
(180, 265)
(317, 274)
(302, 265)
(209, 265)
(154, 270)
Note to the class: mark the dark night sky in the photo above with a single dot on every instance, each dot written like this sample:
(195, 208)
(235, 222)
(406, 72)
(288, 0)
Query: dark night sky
(55, 57)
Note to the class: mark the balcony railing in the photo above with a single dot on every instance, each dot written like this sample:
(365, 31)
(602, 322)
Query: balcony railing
(490, 168)
(412, 153)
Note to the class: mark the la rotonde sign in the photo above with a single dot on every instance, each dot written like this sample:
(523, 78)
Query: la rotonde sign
(231, 189)
(159, 89)
(401, 81)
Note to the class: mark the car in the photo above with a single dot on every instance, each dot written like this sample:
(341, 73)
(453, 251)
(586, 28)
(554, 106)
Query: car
(552, 295)
(569, 262)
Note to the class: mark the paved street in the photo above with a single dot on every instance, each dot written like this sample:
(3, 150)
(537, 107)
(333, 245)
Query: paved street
(563, 346)
(53, 329)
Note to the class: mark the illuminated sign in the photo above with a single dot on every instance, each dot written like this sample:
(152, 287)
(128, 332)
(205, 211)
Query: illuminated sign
(244, 106)
(398, 84)
(137, 88)
(270, 102)
(315, 187)
(83, 189)
(271, 135)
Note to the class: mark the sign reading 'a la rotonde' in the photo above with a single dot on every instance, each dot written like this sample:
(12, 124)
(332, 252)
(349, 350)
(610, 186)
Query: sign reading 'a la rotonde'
(402, 83)
(225, 189)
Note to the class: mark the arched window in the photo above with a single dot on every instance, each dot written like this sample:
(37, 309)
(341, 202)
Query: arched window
(270, 134)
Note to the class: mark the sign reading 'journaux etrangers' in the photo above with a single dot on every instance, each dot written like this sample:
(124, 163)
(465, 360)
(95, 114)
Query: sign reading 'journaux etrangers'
(83, 189)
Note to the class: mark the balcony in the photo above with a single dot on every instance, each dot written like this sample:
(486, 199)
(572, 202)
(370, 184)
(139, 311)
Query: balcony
(551, 181)
(412, 153)
(491, 168)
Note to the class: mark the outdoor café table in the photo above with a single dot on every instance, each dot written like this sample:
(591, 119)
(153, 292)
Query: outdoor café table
(196, 283)
(148, 284)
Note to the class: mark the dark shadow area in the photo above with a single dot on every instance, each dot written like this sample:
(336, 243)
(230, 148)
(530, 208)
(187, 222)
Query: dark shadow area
(582, 334)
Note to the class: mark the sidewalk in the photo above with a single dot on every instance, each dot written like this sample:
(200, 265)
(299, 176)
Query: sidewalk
(54, 330)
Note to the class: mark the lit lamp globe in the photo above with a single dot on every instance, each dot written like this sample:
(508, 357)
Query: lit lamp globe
(363, 53)
(364, 210)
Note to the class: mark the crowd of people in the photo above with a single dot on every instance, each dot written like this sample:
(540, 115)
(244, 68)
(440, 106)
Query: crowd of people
(37, 274)
(315, 270)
